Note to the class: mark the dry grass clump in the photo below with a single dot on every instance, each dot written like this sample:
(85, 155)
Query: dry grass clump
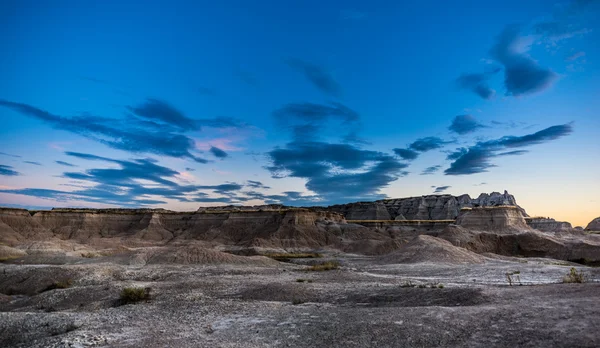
(574, 277)
(134, 295)
(324, 266)
(60, 284)
(284, 257)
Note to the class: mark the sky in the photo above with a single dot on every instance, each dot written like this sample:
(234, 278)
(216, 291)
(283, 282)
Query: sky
(181, 104)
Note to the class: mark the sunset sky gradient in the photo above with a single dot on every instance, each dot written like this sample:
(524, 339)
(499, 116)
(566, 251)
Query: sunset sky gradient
(178, 104)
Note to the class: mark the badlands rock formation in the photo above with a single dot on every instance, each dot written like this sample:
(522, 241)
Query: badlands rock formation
(432, 207)
(548, 224)
(594, 225)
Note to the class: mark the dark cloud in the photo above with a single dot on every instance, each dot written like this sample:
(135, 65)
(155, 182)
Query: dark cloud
(353, 138)
(8, 171)
(477, 158)
(66, 164)
(406, 154)
(32, 162)
(420, 145)
(428, 144)
(120, 185)
(8, 154)
(154, 127)
(312, 113)
(317, 76)
(336, 172)
(161, 111)
(188, 169)
(463, 124)
(218, 152)
(522, 74)
(476, 83)
(441, 189)
(256, 184)
(431, 170)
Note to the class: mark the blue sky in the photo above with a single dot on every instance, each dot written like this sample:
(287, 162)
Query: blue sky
(180, 104)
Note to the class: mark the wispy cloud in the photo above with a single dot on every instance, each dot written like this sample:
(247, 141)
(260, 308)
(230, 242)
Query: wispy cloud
(7, 170)
(440, 189)
(477, 158)
(9, 155)
(318, 76)
(66, 164)
(464, 124)
(419, 146)
(431, 170)
(156, 128)
(33, 163)
(218, 152)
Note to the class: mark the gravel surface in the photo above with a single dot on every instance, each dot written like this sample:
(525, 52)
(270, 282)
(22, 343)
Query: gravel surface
(364, 303)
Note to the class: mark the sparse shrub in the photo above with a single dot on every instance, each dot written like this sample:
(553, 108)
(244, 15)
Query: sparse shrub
(300, 280)
(513, 277)
(61, 284)
(574, 277)
(134, 295)
(297, 301)
(440, 286)
(324, 266)
(89, 255)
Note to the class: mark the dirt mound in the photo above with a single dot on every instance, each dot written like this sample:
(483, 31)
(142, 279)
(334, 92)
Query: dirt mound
(196, 255)
(530, 243)
(431, 249)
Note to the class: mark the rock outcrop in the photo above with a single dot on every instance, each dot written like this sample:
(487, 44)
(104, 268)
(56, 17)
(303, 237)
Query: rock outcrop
(432, 207)
(499, 218)
(594, 225)
(548, 224)
(431, 249)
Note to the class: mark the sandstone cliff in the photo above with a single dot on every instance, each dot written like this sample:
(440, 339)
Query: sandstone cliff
(432, 207)
(548, 224)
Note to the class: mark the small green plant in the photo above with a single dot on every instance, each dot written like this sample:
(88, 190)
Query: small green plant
(134, 295)
(407, 284)
(297, 301)
(324, 266)
(440, 286)
(89, 255)
(574, 277)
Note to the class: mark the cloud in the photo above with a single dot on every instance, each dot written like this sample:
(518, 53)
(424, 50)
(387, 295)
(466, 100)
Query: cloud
(441, 189)
(315, 113)
(406, 154)
(336, 172)
(131, 183)
(463, 124)
(317, 76)
(477, 158)
(8, 171)
(32, 162)
(420, 145)
(154, 127)
(66, 164)
(161, 111)
(431, 170)
(218, 152)
(256, 184)
(428, 144)
(8, 154)
(188, 169)
(476, 83)
(575, 56)
(522, 74)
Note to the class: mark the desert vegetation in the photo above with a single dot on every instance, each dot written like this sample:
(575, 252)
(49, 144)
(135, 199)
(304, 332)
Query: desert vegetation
(134, 295)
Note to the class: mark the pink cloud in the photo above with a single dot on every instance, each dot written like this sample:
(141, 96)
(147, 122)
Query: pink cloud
(225, 144)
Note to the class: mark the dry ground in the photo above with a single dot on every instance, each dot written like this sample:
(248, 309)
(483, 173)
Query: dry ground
(366, 302)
